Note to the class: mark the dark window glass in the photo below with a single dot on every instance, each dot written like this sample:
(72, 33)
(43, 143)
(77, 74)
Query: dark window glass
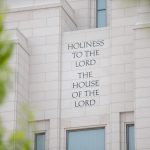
(130, 137)
(101, 4)
(40, 141)
(101, 19)
(90, 139)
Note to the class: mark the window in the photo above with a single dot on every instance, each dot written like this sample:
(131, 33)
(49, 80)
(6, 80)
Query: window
(101, 13)
(130, 137)
(39, 131)
(88, 139)
(40, 141)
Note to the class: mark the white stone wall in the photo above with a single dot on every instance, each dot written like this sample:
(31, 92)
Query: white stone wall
(66, 23)
(123, 20)
(42, 28)
(99, 114)
(28, 3)
(46, 69)
(68, 19)
(142, 74)
(19, 85)
(82, 12)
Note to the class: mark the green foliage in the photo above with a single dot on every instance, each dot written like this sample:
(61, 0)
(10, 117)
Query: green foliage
(6, 48)
(2, 142)
(18, 140)
(21, 141)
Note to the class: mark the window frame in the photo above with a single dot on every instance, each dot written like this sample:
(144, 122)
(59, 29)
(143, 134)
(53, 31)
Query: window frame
(127, 134)
(35, 139)
(85, 129)
(100, 10)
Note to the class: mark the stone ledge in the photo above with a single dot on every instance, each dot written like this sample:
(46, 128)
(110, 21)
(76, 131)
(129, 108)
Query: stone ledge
(64, 4)
(20, 39)
(142, 25)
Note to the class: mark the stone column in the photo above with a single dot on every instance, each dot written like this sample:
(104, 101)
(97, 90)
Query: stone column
(142, 76)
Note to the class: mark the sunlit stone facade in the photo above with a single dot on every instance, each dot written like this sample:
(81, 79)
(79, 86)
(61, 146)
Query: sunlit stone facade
(75, 76)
